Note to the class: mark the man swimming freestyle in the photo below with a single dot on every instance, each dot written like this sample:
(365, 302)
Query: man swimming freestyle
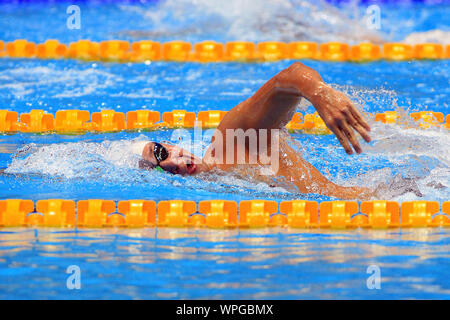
(269, 109)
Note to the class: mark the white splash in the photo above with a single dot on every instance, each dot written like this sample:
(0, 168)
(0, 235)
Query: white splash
(432, 36)
(262, 20)
(75, 160)
(415, 154)
(74, 83)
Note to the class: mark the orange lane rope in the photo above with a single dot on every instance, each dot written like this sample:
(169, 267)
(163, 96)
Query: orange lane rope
(223, 214)
(80, 121)
(212, 51)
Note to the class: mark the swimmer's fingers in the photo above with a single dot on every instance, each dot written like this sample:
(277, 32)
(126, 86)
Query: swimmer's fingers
(358, 127)
(350, 135)
(340, 125)
(342, 140)
(359, 118)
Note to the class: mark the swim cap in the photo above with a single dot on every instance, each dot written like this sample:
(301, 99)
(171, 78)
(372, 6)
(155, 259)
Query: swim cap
(138, 146)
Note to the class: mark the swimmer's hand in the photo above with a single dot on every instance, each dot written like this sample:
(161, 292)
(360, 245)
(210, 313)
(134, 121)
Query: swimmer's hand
(340, 116)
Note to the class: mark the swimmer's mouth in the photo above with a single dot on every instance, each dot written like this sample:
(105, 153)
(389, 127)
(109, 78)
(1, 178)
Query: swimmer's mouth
(191, 168)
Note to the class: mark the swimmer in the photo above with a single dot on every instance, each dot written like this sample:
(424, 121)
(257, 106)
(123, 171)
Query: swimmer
(272, 107)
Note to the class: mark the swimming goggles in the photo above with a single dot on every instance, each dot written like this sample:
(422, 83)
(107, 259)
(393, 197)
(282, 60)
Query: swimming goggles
(161, 154)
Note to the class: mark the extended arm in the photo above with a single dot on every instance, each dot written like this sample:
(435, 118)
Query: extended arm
(273, 105)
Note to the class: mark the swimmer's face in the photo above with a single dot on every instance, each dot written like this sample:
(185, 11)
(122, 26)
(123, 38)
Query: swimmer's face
(179, 161)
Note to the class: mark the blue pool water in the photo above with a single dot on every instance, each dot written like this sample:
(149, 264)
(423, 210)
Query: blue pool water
(234, 264)
(216, 264)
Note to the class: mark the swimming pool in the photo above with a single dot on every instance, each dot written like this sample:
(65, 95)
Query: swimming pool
(162, 263)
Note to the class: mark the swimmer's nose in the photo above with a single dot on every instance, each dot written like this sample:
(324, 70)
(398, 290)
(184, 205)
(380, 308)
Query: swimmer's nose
(178, 153)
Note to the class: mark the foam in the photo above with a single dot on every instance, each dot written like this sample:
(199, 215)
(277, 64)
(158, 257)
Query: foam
(420, 155)
(431, 36)
(81, 82)
(281, 20)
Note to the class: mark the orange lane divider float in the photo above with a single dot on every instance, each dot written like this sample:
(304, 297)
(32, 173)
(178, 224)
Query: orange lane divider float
(447, 122)
(424, 119)
(397, 51)
(2, 48)
(337, 214)
(272, 51)
(446, 209)
(334, 51)
(54, 213)
(177, 51)
(71, 120)
(378, 214)
(210, 119)
(51, 49)
(208, 51)
(296, 122)
(314, 124)
(36, 121)
(20, 48)
(301, 213)
(365, 52)
(114, 50)
(9, 121)
(387, 117)
(138, 213)
(219, 213)
(145, 50)
(177, 213)
(14, 212)
(106, 121)
(428, 118)
(430, 51)
(179, 119)
(302, 50)
(418, 213)
(94, 213)
(142, 119)
(256, 213)
(84, 50)
(239, 51)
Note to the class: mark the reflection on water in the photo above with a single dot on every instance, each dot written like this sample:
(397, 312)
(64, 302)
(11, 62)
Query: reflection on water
(203, 263)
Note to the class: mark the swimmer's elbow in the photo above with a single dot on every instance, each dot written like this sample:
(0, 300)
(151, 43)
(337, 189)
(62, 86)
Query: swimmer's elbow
(298, 68)
(294, 78)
